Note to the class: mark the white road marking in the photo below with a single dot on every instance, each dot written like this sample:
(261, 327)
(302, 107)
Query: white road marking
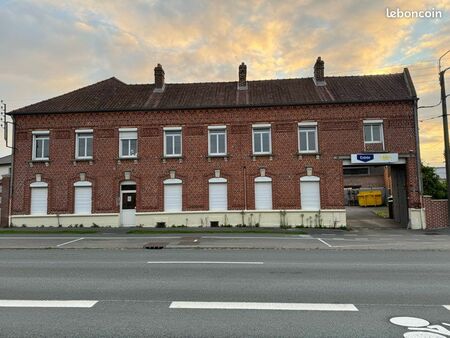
(447, 307)
(321, 240)
(73, 241)
(203, 262)
(263, 237)
(48, 303)
(263, 306)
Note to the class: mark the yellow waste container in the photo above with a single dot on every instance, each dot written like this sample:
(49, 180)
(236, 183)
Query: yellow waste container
(371, 198)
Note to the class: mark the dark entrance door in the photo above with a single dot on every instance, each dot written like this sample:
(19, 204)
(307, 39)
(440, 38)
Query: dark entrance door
(399, 193)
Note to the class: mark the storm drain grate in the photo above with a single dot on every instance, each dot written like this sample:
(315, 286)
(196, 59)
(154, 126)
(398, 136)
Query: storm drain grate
(155, 245)
(431, 233)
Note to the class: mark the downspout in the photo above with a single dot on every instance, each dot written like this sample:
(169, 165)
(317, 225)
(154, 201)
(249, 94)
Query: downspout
(11, 177)
(245, 187)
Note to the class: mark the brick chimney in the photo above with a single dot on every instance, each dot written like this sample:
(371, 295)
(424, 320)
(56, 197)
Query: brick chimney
(242, 84)
(319, 72)
(159, 79)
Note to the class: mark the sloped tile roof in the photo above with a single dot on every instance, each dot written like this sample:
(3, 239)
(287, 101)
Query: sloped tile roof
(114, 95)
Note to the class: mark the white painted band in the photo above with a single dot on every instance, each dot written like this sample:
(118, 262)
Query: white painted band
(49, 303)
(203, 262)
(263, 306)
(447, 307)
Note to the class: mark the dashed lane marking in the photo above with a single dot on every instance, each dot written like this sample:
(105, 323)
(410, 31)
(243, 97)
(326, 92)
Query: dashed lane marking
(263, 306)
(48, 303)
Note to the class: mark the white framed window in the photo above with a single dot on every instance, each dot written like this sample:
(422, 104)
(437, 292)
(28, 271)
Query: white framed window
(263, 193)
(373, 131)
(262, 140)
(173, 195)
(218, 194)
(128, 142)
(307, 137)
(172, 141)
(83, 145)
(217, 140)
(41, 145)
(39, 198)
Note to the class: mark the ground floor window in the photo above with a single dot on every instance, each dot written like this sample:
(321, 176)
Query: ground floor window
(83, 197)
(218, 194)
(39, 198)
(263, 193)
(173, 195)
(310, 193)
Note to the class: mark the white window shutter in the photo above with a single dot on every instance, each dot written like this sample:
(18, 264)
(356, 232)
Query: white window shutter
(310, 195)
(83, 200)
(218, 196)
(263, 195)
(173, 200)
(39, 196)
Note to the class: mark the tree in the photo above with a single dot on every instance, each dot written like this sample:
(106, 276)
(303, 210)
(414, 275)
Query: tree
(432, 185)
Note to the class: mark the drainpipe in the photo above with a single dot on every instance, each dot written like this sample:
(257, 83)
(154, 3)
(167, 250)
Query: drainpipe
(245, 187)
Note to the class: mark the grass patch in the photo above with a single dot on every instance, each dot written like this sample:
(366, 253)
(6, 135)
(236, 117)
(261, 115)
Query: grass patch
(47, 231)
(382, 213)
(216, 231)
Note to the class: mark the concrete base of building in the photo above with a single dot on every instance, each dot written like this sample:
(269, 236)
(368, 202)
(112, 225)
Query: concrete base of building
(329, 218)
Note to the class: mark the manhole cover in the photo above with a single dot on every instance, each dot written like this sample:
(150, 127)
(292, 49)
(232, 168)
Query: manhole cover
(155, 245)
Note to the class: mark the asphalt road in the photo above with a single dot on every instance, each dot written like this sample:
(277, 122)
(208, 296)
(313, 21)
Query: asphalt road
(353, 293)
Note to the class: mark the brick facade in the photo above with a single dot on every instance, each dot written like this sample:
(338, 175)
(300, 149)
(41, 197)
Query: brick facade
(4, 205)
(340, 133)
(436, 212)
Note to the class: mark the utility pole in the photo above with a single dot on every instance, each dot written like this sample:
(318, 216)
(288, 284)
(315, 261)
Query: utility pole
(446, 140)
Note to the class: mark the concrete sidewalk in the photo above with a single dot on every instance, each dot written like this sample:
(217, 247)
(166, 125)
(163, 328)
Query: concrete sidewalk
(328, 239)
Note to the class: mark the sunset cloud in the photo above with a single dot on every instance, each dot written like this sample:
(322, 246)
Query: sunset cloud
(49, 47)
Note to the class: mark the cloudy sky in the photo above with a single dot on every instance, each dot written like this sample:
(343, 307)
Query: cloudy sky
(48, 47)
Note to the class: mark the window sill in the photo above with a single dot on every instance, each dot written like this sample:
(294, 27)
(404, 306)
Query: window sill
(38, 162)
(255, 156)
(127, 159)
(225, 157)
(83, 160)
(300, 155)
(179, 158)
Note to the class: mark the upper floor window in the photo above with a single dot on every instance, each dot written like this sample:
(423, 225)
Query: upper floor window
(262, 143)
(373, 131)
(41, 142)
(217, 144)
(172, 141)
(307, 137)
(128, 142)
(84, 144)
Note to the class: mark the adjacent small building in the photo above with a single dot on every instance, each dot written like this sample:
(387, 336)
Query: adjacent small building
(267, 153)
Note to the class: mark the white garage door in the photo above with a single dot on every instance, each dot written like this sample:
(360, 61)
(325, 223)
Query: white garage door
(39, 197)
(173, 196)
(263, 193)
(218, 198)
(83, 200)
(310, 193)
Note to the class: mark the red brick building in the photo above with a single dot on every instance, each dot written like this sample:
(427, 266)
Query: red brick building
(226, 153)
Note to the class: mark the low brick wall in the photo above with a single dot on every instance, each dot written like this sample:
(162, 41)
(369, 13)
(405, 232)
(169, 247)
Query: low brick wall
(436, 212)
